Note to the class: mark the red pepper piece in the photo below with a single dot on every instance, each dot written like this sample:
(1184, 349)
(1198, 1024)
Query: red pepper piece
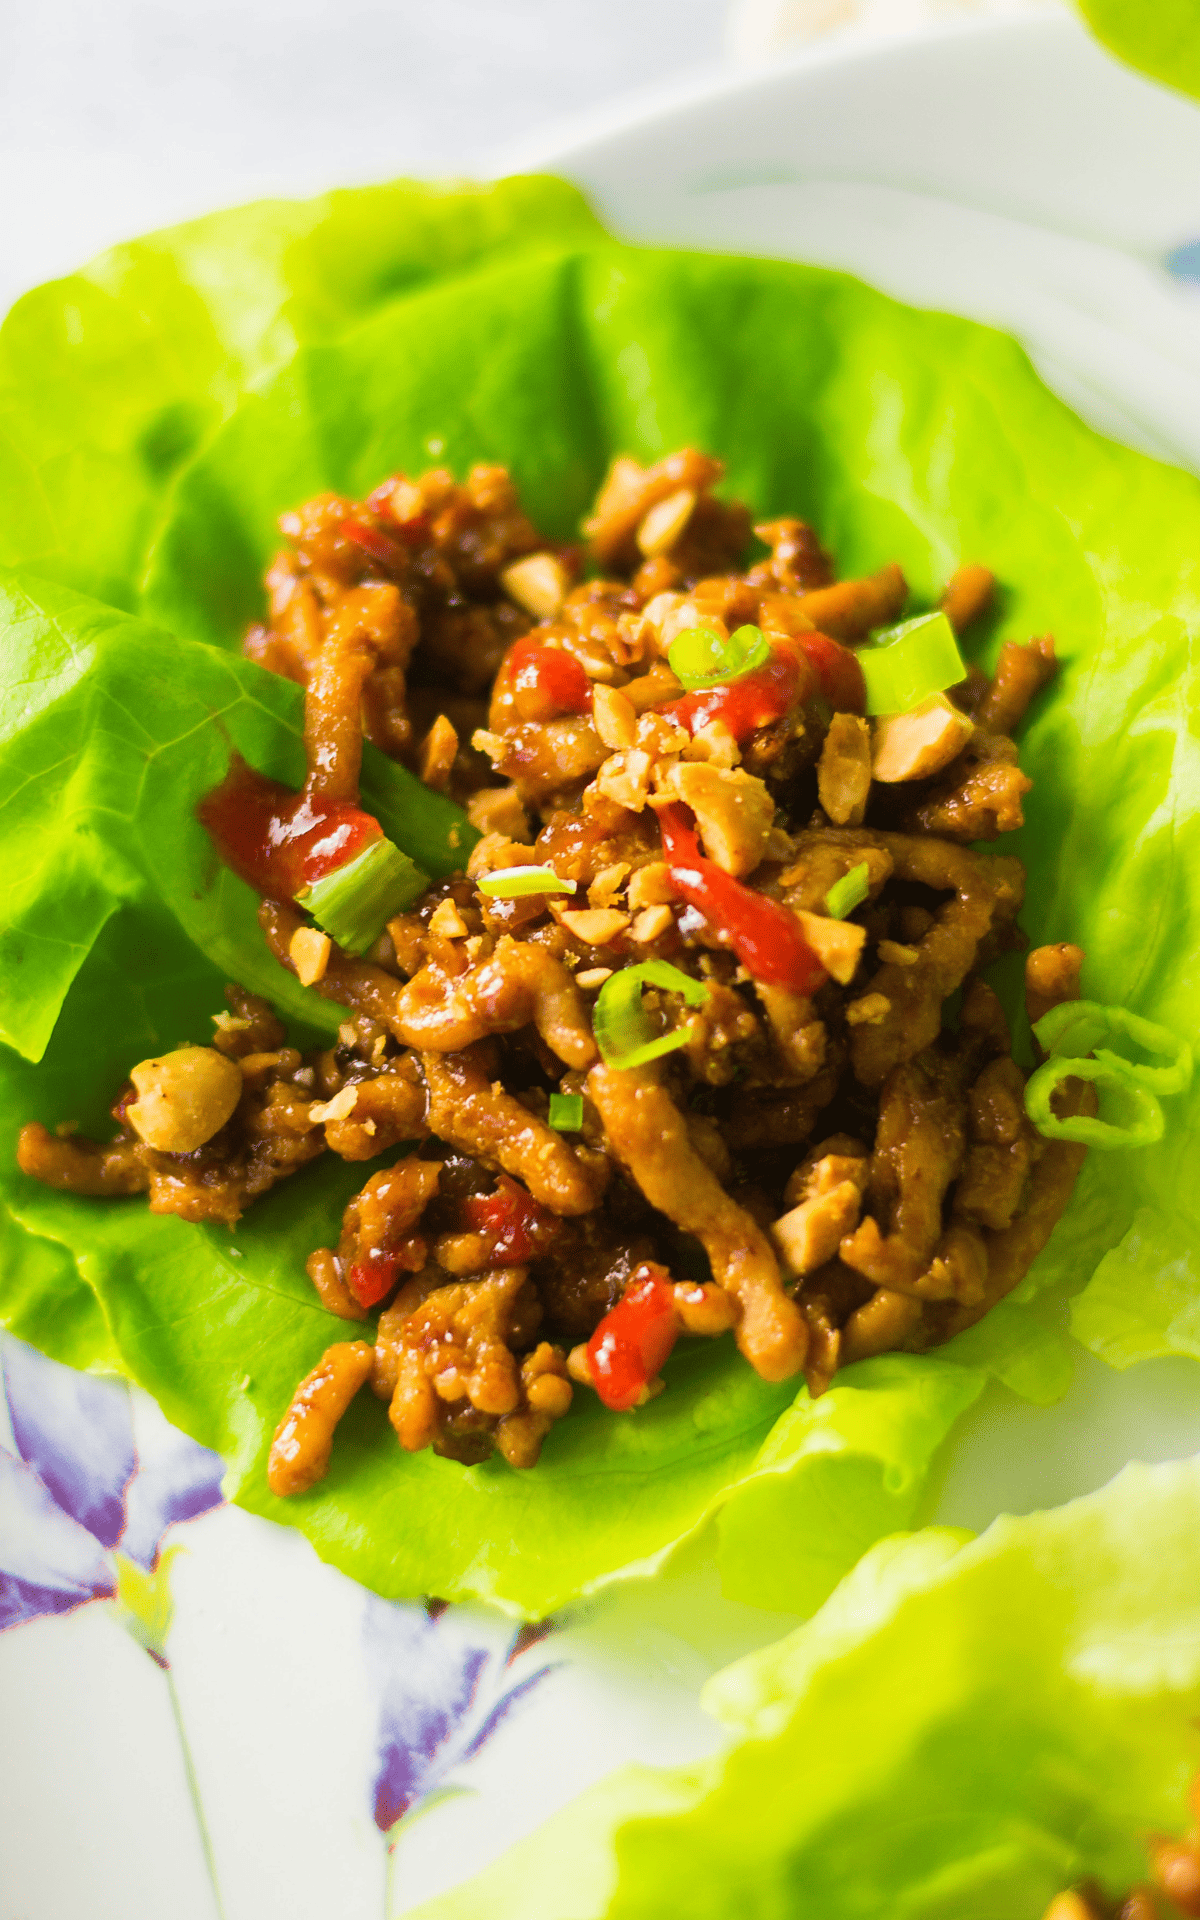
(521, 1228)
(546, 681)
(754, 701)
(767, 939)
(379, 545)
(373, 1277)
(837, 669)
(633, 1341)
(369, 1280)
(279, 841)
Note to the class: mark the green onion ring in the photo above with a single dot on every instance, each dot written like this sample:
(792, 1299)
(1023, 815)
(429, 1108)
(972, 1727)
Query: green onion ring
(699, 658)
(1075, 1026)
(1143, 1127)
(623, 1032)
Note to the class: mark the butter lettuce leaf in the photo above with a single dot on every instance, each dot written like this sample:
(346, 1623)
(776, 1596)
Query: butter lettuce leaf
(966, 1727)
(898, 434)
(111, 377)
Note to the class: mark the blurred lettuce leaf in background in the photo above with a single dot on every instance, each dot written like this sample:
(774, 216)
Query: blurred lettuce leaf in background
(1159, 37)
(965, 1728)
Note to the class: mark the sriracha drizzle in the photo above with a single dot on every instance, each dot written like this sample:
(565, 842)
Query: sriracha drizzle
(277, 841)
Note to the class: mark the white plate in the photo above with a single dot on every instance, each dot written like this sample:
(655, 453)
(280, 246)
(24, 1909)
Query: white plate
(1008, 172)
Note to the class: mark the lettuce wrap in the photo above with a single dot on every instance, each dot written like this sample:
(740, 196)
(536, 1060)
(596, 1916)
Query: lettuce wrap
(898, 434)
(966, 1727)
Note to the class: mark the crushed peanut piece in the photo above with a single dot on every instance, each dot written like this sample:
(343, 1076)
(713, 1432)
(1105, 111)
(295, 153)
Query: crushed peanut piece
(613, 718)
(593, 976)
(733, 810)
(439, 750)
(538, 584)
(447, 922)
(607, 885)
(595, 926)
(838, 944)
(714, 743)
(651, 886)
(625, 778)
(338, 1108)
(309, 950)
(665, 522)
(650, 923)
(911, 746)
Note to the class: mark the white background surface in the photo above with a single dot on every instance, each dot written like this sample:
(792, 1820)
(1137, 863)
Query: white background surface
(117, 116)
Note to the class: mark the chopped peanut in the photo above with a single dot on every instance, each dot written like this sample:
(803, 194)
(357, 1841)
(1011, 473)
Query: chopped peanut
(613, 718)
(439, 749)
(665, 522)
(714, 743)
(650, 923)
(498, 810)
(593, 976)
(625, 778)
(183, 1098)
(651, 886)
(838, 944)
(595, 926)
(607, 885)
(309, 950)
(810, 1234)
(538, 584)
(447, 922)
(844, 770)
(733, 811)
(894, 955)
(911, 746)
(338, 1108)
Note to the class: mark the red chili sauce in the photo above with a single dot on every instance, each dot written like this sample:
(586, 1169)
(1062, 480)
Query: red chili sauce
(277, 841)
(634, 1339)
(797, 669)
(767, 939)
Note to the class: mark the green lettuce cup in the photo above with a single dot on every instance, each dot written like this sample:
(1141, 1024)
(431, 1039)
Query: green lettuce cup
(900, 435)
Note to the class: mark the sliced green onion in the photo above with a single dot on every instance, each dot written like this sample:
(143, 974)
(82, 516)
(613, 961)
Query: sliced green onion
(1076, 1026)
(355, 902)
(701, 658)
(1135, 1118)
(566, 1112)
(905, 664)
(512, 883)
(848, 892)
(623, 1032)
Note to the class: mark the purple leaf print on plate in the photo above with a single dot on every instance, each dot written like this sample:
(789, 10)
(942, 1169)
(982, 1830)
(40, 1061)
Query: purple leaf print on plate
(76, 1431)
(438, 1704)
(76, 1489)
